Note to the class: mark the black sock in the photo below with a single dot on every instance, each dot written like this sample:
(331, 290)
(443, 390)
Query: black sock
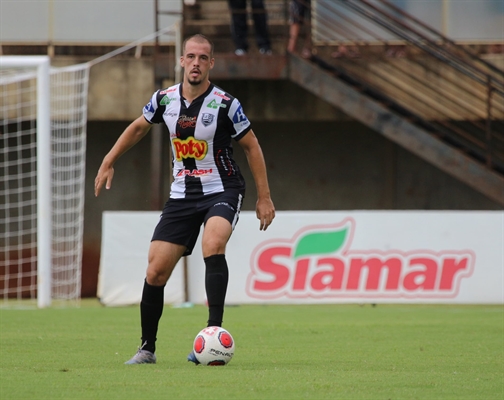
(151, 309)
(216, 281)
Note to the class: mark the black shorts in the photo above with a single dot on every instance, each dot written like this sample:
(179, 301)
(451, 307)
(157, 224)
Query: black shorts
(181, 219)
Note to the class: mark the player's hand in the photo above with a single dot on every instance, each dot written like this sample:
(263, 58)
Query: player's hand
(265, 211)
(104, 176)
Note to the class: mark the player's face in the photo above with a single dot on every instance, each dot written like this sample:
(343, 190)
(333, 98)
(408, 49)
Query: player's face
(196, 62)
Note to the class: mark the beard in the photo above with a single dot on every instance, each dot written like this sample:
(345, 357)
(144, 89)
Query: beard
(194, 81)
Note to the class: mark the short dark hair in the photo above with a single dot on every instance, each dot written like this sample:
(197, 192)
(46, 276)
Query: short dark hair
(200, 39)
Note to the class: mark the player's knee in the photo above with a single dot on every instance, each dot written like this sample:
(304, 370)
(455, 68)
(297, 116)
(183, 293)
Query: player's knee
(156, 275)
(213, 246)
(155, 278)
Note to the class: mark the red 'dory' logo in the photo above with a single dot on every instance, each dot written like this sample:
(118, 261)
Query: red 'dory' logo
(318, 262)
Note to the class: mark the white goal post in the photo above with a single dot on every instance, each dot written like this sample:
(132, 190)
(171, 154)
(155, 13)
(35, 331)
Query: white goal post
(42, 166)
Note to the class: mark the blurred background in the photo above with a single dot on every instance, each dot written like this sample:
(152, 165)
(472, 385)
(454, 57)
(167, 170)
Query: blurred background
(381, 105)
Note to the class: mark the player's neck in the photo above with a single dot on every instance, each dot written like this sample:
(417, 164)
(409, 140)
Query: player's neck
(191, 92)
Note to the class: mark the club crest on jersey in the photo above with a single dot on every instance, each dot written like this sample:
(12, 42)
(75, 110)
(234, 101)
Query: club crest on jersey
(190, 148)
(239, 116)
(207, 118)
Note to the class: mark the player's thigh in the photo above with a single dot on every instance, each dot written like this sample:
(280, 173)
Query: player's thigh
(216, 235)
(163, 256)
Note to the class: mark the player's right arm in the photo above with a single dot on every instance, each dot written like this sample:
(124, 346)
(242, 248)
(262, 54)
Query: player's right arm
(131, 136)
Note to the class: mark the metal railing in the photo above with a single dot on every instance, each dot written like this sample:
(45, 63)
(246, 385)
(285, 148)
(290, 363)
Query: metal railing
(416, 71)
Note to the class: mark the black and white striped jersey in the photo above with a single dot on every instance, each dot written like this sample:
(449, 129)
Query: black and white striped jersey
(200, 136)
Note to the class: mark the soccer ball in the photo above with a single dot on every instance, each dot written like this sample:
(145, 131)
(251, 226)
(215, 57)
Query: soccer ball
(214, 346)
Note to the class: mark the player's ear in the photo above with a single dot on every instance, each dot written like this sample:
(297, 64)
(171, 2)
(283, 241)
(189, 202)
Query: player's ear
(212, 62)
(181, 61)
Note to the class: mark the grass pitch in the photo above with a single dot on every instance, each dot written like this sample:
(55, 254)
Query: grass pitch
(282, 352)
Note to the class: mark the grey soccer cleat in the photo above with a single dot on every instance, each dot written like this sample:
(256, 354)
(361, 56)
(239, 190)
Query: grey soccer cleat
(142, 357)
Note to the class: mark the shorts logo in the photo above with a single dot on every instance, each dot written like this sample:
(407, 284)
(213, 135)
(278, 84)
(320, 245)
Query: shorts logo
(224, 204)
(190, 148)
(207, 119)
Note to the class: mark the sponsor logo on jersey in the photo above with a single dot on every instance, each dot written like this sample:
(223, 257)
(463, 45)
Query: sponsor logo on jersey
(207, 118)
(221, 95)
(190, 148)
(166, 100)
(239, 116)
(186, 122)
(168, 90)
(213, 104)
(194, 172)
(148, 108)
(319, 262)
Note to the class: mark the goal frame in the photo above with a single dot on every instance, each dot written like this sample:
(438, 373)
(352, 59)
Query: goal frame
(41, 64)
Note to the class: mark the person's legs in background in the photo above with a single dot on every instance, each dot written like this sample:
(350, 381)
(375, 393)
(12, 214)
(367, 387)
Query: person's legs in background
(239, 25)
(300, 16)
(260, 17)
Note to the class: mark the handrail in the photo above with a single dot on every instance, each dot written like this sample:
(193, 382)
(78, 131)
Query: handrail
(474, 57)
(469, 108)
(408, 33)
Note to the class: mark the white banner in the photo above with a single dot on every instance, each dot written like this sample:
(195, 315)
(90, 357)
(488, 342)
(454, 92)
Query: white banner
(359, 257)
(124, 254)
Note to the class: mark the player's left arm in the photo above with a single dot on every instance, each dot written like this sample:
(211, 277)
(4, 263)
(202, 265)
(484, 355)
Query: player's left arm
(265, 210)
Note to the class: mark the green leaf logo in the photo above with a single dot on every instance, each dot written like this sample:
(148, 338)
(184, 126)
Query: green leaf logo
(166, 100)
(320, 243)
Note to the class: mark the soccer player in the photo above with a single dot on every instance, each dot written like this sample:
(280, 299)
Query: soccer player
(207, 187)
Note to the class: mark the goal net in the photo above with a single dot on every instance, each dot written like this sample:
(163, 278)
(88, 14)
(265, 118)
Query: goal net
(42, 169)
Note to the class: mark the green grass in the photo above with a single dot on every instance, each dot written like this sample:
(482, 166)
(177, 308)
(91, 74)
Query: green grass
(282, 352)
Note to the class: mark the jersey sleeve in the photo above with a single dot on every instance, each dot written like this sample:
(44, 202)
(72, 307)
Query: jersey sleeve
(240, 123)
(152, 112)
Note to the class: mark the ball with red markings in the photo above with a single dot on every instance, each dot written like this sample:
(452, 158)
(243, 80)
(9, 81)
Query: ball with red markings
(214, 346)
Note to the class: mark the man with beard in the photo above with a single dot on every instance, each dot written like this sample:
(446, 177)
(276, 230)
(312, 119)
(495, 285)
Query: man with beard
(207, 187)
